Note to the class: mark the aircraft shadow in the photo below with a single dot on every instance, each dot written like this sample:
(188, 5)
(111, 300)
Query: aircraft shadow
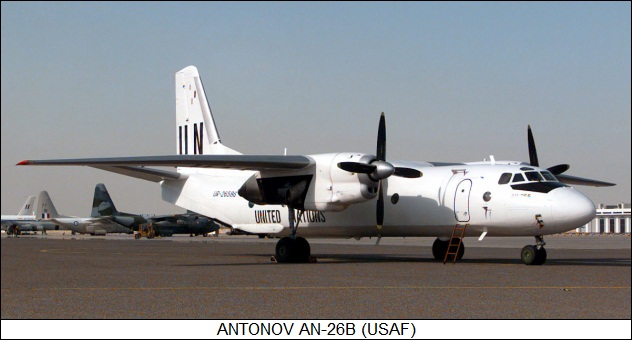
(336, 259)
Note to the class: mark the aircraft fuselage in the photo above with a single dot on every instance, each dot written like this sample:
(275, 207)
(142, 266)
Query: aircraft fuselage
(432, 205)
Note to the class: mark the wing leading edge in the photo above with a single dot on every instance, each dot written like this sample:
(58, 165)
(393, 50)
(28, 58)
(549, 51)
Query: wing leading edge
(127, 165)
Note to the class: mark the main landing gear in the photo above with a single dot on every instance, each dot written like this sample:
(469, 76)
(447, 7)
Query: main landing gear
(293, 249)
(440, 248)
(534, 255)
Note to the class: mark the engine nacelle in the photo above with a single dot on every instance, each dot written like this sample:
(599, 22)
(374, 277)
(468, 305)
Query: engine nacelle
(322, 187)
(334, 189)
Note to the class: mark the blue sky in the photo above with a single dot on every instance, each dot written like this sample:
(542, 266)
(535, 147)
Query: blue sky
(458, 82)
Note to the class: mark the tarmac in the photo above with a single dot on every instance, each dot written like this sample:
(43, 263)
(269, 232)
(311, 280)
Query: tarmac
(61, 276)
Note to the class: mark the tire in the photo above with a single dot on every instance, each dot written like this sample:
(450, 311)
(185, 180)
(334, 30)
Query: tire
(459, 256)
(303, 250)
(540, 257)
(285, 250)
(528, 255)
(439, 248)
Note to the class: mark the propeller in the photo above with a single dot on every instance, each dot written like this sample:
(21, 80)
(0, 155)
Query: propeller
(533, 156)
(559, 169)
(533, 153)
(379, 169)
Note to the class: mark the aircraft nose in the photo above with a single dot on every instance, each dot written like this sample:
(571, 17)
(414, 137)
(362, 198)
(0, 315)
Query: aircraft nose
(571, 209)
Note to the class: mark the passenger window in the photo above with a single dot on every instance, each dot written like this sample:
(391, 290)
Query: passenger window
(548, 176)
(518, 178)
(533, 176)
(504, 178)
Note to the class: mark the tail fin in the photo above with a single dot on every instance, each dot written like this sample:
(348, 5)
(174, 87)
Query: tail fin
(45, 207)
(102, 204)
(196, 133)
(27, 208)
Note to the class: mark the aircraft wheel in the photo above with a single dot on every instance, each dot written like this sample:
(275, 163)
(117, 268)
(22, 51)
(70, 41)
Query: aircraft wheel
(303, 250)
(293, 250)
(459, 256)
(439, 248)
(529, 255)
(540, 257)
(285, 250)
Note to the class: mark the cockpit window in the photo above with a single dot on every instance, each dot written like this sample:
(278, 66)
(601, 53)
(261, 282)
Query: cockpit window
(504, 178)
(518, 178)
(548, 176)
(533, 176)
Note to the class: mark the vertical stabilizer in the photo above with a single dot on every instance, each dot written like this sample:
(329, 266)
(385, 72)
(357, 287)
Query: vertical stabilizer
(27, 208)
(102, 204)
(45, 207)
(196, 132)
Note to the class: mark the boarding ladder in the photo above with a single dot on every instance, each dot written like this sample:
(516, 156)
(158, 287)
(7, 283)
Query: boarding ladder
(455, 242)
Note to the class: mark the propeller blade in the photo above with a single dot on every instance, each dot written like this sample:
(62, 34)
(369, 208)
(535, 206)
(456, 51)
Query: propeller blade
(583, 181)
(558, 169)
(380, 208)
(360, 168)
(381, 139)
(407, 173)
(533, 153)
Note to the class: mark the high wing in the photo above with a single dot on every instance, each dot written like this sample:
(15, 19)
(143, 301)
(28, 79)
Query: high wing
(134, 166)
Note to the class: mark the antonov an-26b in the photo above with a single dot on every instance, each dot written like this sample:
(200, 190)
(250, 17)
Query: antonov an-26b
(351, 194)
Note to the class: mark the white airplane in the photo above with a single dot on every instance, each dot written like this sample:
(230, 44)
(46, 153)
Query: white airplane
(351, 194)
(40, 220)
(26, 213)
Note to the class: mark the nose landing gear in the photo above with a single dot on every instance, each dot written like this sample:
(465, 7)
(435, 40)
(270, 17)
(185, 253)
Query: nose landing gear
(534, 255)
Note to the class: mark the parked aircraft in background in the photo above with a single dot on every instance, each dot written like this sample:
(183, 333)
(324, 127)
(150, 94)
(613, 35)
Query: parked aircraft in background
(352, 194)
(164, 225)
(50, 219)
(41, 221)
(26, 213)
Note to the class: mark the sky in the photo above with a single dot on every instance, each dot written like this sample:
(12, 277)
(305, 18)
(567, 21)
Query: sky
(457, 81)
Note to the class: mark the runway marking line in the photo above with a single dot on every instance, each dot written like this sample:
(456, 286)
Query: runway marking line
(313, 288)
